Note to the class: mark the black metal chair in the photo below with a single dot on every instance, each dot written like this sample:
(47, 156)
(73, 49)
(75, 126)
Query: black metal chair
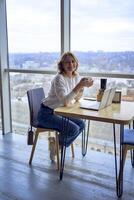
(35, 97)
(127, 143)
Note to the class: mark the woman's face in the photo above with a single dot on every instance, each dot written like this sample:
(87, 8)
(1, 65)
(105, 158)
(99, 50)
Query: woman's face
(69, 65)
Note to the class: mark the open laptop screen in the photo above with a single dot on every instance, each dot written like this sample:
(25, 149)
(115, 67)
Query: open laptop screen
(111, 96)
(105, 101)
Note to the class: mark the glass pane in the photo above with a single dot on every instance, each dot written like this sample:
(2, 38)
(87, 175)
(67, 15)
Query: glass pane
(126, 86)
(0, 118)
(20, 83)
(101, 134)
(102, 34)
(34, 35)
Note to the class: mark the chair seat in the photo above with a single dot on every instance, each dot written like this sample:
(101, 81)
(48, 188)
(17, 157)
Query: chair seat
(128, 137)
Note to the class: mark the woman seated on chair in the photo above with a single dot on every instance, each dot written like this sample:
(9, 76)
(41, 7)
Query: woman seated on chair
(66, 86)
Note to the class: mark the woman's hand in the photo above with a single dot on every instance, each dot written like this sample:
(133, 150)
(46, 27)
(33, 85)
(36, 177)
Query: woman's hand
(86, 82)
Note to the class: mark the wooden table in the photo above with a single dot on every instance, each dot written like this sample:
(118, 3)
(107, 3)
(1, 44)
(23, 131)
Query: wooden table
(121, 114)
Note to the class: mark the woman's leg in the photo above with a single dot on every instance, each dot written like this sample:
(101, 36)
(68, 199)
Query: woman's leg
(47, 119)
(79, 122)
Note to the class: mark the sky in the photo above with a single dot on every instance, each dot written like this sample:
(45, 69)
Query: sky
(107, 25)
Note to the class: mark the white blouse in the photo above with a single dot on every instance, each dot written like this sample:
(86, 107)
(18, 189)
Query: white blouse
(61, 91)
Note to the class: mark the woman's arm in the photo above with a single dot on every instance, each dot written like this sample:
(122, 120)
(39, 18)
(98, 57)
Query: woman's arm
(84, 82)
(79, 95)
(61, 92)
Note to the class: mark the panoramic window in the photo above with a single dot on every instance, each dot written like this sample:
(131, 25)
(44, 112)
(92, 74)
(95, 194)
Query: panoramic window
(34, 43)
(33, 34)
(20, 83)
(102, 34)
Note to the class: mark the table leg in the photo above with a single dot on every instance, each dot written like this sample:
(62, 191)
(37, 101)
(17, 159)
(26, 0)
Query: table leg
(132, 157)
(62, 161)
(85, 135)
(65, 123)
(119, 175)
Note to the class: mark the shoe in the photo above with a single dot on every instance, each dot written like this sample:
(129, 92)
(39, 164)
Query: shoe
(52, 148)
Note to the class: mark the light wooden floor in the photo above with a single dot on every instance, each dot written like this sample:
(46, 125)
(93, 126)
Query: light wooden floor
(89, 178)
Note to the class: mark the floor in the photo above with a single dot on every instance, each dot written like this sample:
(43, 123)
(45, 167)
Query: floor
(88, 178)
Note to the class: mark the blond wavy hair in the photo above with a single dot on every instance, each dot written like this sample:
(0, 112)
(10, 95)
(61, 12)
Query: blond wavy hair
(63, 59)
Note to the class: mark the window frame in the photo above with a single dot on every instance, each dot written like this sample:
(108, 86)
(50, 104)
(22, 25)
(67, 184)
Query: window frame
(65, 16)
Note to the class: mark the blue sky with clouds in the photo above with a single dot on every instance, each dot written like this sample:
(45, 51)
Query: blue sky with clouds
(103, 24)
(34, 26)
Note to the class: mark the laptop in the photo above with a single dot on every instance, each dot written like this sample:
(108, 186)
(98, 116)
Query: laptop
(106, 100)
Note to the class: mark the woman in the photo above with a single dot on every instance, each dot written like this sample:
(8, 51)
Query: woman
(65, 87)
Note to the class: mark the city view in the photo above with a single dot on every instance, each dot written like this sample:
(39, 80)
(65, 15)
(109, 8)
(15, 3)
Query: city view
(121, 62)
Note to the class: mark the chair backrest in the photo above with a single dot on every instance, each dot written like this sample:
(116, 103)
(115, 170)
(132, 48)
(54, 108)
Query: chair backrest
(34, 100)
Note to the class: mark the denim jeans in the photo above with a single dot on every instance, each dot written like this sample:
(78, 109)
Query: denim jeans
(47, 119)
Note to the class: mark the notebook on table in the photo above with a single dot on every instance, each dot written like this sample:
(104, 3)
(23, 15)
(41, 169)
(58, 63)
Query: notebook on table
(105, 101)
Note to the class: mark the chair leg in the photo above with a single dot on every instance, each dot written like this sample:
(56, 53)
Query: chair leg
(72, 150)
(57, 151)
(125, 149)
(33, 148)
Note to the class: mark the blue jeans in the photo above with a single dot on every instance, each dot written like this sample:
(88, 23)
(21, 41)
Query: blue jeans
(47, 119)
